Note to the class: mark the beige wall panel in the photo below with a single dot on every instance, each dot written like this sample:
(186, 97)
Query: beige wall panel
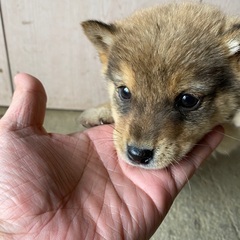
(229, 6)
(5, 83)
(45, 39)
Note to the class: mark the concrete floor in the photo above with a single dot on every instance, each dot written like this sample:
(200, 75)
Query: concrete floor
(208, 208)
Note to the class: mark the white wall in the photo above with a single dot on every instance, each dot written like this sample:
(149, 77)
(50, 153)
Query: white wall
(45, 39)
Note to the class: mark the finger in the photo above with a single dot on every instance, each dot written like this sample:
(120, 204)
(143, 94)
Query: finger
(186, 168)
(28, 104)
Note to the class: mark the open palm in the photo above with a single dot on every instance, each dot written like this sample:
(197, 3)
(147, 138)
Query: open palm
(56, 186)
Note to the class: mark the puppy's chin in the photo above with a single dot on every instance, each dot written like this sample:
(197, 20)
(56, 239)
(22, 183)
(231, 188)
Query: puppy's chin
(154, 164)
(160, 159)
(150, 166)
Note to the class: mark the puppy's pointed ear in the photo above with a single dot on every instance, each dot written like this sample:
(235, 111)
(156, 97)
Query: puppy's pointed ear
(236, 119)
(233, 42)
(233, 46)
(100, 34)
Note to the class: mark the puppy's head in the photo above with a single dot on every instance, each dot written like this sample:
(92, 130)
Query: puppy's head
(173, 75)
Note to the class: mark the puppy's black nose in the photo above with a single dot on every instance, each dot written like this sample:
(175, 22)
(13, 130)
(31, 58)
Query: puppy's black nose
(140, 156)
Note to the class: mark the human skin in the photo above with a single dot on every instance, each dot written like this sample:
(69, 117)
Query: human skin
(55, 186)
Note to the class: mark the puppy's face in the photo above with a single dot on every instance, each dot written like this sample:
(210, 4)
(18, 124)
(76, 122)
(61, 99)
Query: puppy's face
(173, 75)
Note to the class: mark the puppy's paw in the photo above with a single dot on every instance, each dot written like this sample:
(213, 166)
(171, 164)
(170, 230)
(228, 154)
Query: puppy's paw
(96, 116)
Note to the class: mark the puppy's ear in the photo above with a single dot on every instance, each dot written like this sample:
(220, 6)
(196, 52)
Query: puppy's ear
(236, 119)
(233, 42)
(232, 38)
(233, 46)
(102, 35)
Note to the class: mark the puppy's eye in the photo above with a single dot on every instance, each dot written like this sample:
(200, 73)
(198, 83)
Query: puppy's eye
(124, 93)
(187, 102)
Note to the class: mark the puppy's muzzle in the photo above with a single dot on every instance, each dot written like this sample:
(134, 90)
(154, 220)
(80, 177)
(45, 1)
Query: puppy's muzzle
(140, 156)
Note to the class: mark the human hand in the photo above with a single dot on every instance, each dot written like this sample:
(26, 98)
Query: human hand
(55, 186)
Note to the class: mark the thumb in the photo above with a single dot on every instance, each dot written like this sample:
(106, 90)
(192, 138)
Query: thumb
(28, 104)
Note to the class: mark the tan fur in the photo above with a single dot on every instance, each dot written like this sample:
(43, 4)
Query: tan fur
(104, 59)
(160, 55)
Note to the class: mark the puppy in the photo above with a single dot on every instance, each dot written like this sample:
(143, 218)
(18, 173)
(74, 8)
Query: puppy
(173, 73)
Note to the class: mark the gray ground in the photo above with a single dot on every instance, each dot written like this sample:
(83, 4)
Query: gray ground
(208, 208)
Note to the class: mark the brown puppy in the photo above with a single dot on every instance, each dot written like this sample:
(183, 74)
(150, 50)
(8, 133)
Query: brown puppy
(173, 73)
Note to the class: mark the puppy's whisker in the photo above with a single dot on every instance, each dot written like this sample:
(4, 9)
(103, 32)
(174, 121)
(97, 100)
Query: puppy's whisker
(200, 144)
(229, 136)
(176, 162)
